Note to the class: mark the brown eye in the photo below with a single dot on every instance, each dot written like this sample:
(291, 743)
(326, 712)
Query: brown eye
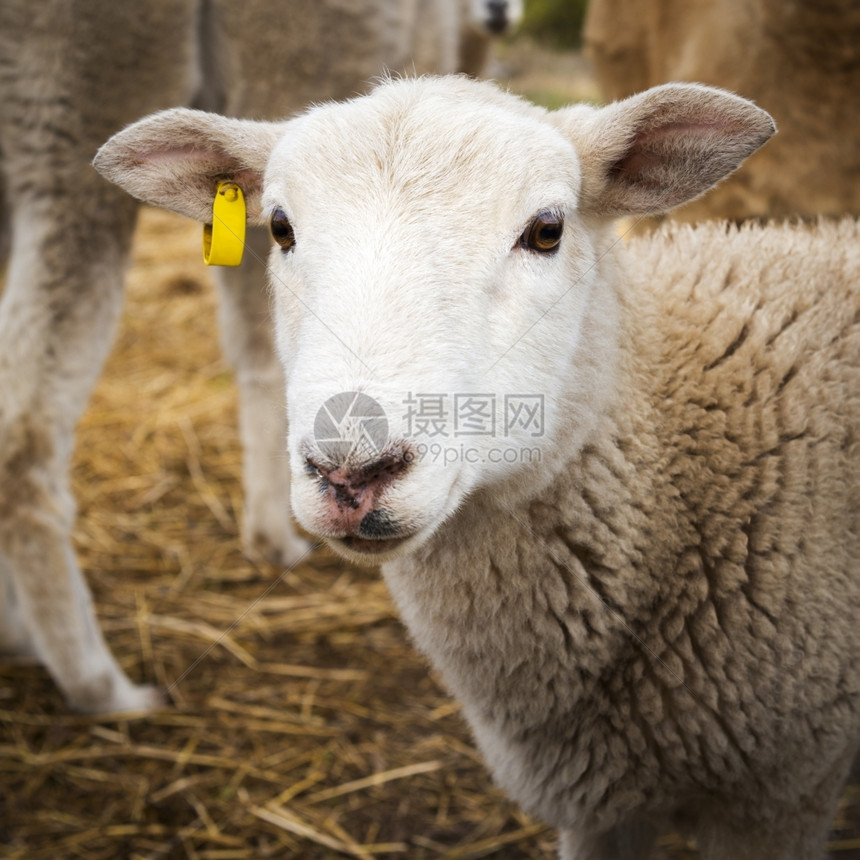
(544, 233)
(282, 230)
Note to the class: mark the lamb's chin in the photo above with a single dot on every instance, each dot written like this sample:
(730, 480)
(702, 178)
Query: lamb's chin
(366, 551)
(371, 552)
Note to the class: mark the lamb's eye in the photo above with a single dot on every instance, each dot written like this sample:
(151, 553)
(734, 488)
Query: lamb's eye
(282, 230)
(544, 233)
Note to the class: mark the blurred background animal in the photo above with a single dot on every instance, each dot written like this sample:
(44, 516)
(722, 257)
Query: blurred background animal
(72, 74)
(482, 21)
(800, 61)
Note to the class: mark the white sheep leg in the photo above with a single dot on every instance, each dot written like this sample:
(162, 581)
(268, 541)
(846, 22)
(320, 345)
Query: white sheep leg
(57, 317)
(248, 342)
(14, 639)
(55, 621)
(70, 75)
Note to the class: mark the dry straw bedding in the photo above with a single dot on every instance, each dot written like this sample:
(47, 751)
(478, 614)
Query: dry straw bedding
(303, 725)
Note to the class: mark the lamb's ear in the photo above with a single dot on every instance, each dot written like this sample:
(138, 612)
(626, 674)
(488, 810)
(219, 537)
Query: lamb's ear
(176, 158)
(662, 147)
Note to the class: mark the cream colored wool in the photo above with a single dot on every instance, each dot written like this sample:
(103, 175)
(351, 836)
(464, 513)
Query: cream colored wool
(668, 634)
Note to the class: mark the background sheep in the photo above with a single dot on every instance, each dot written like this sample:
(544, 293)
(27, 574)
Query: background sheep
(71, 75)
(656, 623)
(800, 61)
(457, 36)
(481, 22)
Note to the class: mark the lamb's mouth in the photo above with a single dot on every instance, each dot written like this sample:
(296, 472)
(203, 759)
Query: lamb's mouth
(369, 546)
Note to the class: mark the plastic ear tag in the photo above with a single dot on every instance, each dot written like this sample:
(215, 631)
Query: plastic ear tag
(224, 238)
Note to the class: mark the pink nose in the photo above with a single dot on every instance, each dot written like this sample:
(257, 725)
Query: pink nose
(352, 494)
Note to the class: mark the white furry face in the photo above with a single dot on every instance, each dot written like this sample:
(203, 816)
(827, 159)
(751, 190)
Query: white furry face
(432, 261)
(436, 254)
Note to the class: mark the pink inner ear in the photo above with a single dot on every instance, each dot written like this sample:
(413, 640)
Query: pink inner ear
(633, 164)
(194, 161)
(668, 164)
(650, 148)
(161, 154)
(204, 168)
(665, 147)
(248, 180)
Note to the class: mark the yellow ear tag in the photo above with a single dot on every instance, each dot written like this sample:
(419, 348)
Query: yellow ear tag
(224, 238)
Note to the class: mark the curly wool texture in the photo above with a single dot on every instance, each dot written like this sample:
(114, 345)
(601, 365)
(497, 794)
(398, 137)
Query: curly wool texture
(670, 630)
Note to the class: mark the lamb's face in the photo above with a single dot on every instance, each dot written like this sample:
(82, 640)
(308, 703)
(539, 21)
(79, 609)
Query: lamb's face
(434, 277)
(430, 274)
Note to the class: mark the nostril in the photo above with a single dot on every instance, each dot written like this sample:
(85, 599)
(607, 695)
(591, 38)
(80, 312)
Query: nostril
(345, 494)
(357, 486)
(385, 469)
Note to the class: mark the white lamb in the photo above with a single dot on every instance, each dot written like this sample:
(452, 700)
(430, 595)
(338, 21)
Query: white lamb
(652, 620)
(72, 74)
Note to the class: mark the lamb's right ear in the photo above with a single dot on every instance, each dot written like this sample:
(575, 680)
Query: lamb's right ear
(176, 158)
(661, 148)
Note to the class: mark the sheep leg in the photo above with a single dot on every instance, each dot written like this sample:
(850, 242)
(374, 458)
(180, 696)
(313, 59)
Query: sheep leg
(14, 639)
(633, 841)
(248, 342)
(70, 76)
(57, 316)
(54, 618)
(235, 67)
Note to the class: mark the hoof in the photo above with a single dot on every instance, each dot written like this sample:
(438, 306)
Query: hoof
(124, 698)
(285, 551)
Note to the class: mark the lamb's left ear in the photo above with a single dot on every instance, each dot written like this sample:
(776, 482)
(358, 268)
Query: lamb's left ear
(662, 147)
(176, 158)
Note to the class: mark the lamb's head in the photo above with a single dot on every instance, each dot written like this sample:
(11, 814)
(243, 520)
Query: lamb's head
(493, 17)
(443, 316)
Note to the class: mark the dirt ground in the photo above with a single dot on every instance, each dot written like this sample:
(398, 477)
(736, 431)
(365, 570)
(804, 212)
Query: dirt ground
(302, 723)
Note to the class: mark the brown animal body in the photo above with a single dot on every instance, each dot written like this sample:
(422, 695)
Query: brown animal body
(800, 61)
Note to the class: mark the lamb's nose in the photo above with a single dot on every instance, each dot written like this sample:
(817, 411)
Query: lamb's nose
(357, 486)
